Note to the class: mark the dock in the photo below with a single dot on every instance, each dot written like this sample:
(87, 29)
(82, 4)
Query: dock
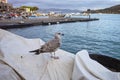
(20, 23)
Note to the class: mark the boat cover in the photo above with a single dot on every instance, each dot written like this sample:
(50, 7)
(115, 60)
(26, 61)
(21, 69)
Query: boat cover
(14, 50)
(87, 69)
(8, 73)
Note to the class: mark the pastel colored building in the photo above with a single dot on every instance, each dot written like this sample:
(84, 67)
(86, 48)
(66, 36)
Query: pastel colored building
(5, 6)
(3, 1)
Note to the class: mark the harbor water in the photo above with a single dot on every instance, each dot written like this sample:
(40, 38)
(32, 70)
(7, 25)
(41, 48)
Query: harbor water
(98, 37)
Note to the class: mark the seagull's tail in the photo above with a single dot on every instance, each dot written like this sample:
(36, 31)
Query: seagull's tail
(36, 51)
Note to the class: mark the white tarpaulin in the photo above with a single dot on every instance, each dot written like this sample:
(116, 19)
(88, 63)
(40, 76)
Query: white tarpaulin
(90, 69)
(14, 50)
(7, 73)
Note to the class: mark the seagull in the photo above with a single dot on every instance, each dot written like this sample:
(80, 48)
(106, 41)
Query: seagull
(50, 46)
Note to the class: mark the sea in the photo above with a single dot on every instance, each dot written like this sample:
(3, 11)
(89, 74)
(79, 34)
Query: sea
(97, 37)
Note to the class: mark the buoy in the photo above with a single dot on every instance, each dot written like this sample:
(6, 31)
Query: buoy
(49, 23)
(58, 22)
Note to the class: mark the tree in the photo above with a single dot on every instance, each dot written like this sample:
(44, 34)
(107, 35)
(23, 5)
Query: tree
(34, 8)
(31, 8)
(88, 10)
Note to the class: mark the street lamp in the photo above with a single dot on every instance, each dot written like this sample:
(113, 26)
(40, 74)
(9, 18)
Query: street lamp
(88, 10)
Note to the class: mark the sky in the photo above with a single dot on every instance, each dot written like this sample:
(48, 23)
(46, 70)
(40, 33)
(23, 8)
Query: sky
(66, 4)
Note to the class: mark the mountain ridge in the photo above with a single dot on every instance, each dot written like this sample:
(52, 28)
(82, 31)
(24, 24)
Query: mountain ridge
(110, 10)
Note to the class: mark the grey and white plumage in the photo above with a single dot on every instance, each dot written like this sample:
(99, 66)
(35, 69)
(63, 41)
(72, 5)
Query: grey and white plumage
(50, 46)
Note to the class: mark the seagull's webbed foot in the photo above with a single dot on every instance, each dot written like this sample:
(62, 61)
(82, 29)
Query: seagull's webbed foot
(54, 57)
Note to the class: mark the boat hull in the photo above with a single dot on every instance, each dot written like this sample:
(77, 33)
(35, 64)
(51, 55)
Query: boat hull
(108, 62)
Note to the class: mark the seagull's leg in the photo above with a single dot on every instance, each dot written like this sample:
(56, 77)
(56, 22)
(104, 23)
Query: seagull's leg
(55, 57)
(54, 54)
(51, 55)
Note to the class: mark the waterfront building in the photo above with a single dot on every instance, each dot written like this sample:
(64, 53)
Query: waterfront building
(3, 1)
(27, 9)
(5, 6)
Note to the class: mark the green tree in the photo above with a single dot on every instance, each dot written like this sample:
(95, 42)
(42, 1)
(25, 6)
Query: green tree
(35, 8)
(31, 8)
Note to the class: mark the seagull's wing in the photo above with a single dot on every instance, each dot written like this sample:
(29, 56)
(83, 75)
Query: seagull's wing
(50, 46)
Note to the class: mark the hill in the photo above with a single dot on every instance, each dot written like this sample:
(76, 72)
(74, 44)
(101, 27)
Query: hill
(111, 10)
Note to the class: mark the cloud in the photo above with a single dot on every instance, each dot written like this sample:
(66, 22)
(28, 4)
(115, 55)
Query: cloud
(69, 4)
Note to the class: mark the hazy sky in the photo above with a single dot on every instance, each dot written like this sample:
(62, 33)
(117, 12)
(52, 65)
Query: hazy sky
(66, 4)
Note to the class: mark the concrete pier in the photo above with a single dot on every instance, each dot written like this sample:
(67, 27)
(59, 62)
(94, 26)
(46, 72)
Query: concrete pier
(19, 23)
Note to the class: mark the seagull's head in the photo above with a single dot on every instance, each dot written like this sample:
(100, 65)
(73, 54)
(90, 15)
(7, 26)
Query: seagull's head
(58, 35)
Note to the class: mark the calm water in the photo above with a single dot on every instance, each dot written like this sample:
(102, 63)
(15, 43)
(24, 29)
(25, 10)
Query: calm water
(101, 37)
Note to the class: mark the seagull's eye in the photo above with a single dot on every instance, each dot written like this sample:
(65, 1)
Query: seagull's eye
(59, 33)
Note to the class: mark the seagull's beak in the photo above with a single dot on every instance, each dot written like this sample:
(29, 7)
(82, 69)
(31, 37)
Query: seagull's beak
(62, 34)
